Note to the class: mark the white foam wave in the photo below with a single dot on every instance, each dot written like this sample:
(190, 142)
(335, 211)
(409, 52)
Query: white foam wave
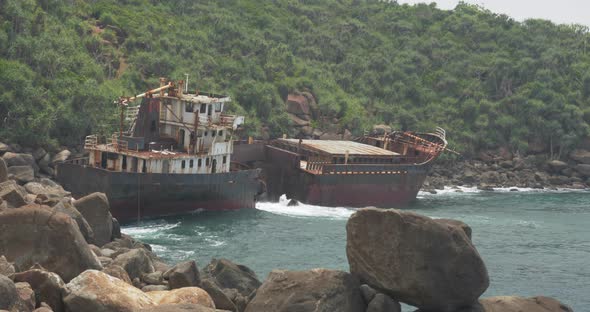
(304, 210)
(458, 190)
(146, 229)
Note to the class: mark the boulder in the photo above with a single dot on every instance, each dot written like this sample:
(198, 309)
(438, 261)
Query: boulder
(193, 295)
(44, 164)
(25, 297)
(298, 122)
(96, 291)
(136, 262)
(383, 303)
(583, 169)
(520, 304)
(116, 230)
(3, 171)
(46, 187)
(227, 274)
(48, 286)
(452, 222)
(414, 259)
(318, 290)
(67, 208)
(15, 159)
(6, 268)
(557, 165)
(298, 104)
(61, 156)
(221, 300)
(154, 278)
(368, 293)
(37, 234)
(95, 209)
(12, 194)
(118, 272)
(581, 156)
(184, 274)
(149, 288)
(4, 148)
(22, 174)
(179, 307)
(39, 153)
(8, 293)
(43, 308)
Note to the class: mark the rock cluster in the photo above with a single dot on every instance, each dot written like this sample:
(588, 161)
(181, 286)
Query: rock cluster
(500, 168)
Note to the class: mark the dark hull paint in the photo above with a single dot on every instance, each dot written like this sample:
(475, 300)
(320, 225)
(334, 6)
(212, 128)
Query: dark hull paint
(146, 195)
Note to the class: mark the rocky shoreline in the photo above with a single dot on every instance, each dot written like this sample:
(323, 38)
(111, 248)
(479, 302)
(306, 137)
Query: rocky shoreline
(60, 254)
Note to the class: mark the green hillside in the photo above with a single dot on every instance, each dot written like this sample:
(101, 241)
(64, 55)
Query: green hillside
(487, 79)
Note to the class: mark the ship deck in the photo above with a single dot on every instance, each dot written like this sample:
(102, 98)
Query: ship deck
(336, 147)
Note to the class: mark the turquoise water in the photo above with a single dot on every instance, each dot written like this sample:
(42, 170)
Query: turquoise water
(533, 243)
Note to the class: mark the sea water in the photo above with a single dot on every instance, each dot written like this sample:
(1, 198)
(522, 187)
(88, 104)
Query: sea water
(533, 242)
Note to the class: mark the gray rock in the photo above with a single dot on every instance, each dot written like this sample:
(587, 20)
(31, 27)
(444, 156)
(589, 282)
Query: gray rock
(368, 293)
(179, 307)
(221, 300)
(318, 290)
(149, 288)
(583, 169)
(46, 188)
(136, 262)
(581, 156)
(227, 274)
(414, 259)
(4, 148)
(67, 208)
(61, 156)
(383, 303)
(8, 294)
(6, 268)
(26, 297)
(3, 171)
(184, 274)
(118, 272)
(15, 159)
(22, 174)
(557, 165)
(38, 234)
(116, 230)
(39, 153)
(12, 194)
(452, 222)
(155, 278)
(95, 209)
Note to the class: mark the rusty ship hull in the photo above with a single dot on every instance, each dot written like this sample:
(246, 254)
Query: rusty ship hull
(134, 196)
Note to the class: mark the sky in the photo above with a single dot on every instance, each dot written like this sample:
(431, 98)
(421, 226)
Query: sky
(558, 11)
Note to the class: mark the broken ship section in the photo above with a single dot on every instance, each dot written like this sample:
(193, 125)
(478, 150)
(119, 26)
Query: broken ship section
(173, 158)
(383, 171)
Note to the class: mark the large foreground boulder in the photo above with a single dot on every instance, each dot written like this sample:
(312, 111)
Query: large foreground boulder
(179, 307)
(318, 290)
(22, 174)
(415, 259)
(194, 295)
(230, 275)
(520, 304)
(96, 291)
(48, 287)
(36, 234)
(8, 294)
(64, 206)
(96, 210)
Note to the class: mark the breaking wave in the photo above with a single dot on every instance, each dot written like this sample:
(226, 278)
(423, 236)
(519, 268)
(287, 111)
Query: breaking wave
(304, 210)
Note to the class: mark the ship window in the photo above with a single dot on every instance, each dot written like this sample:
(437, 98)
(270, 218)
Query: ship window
(153, 126)
(199, 162)
(213, 133)
(207, 162)
(144, 167)
(188, 107)
(218, 107)
(220, 132)
(124, 163)
(191, 163)
(224, 159)
(205, 134)
(183, 165)
(203, 108)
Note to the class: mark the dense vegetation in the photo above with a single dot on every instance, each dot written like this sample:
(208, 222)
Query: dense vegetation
(489, 80)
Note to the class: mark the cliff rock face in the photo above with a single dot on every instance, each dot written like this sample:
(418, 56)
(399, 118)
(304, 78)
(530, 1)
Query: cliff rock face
(415, 259)
(318, 290)
(38, 234)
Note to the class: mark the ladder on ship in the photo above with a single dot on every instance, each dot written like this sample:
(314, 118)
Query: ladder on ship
(131, 117)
